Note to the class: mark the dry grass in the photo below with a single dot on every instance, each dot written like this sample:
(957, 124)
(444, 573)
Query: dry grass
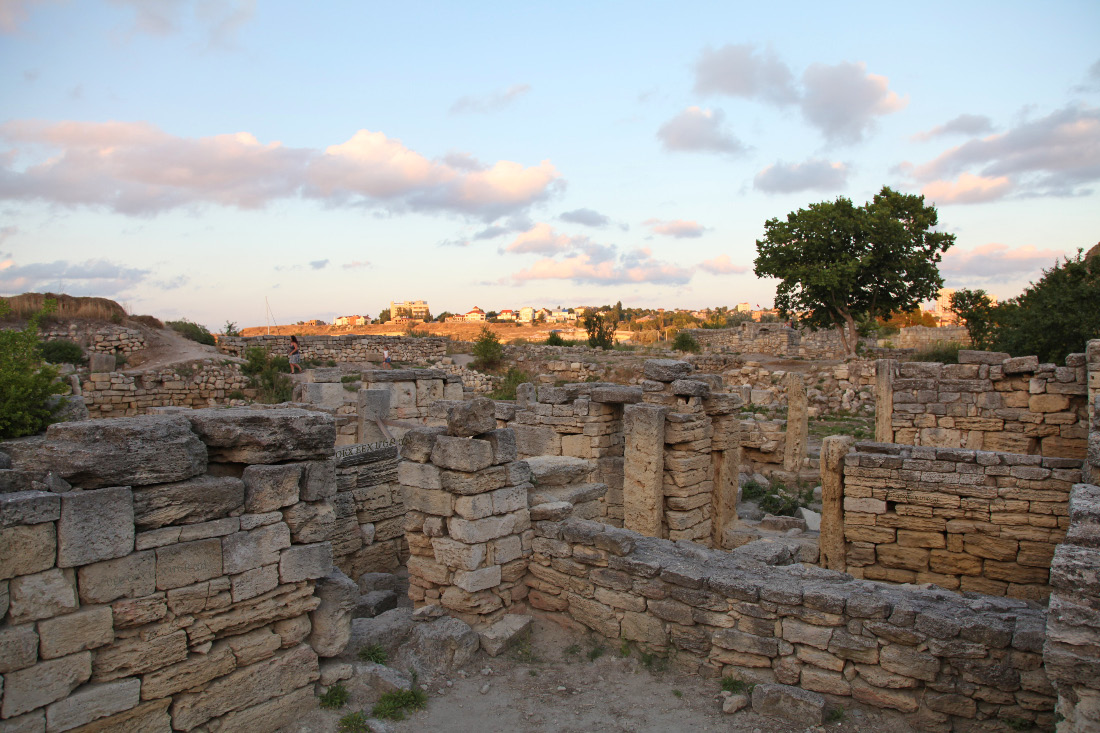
(150, 321)
(68, 307)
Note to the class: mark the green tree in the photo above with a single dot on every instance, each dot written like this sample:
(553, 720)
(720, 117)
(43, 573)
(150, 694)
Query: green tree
(601, 330)
(839, 264)
(975, 309)
(1055, 316)
(230, 329)
(383, 316)
(488, 351)
(686, 342)
(26, 382)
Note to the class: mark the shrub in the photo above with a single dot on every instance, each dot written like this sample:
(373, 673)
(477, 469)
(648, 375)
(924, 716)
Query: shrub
(393, 705)
(353, 723)
(335, 697)
(150, 321)
(555, 339)
(488, 351)
(601, 331)
(686, 342)
(373, 653)
(230, 329)
(507, 389)
(26, 383)
(945, 352)
(62, 351)
(191, 330)
(268, 374)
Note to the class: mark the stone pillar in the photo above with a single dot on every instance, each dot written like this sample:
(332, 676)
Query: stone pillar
(833, 450)
(884, 399)
(727, 469)
(374, 405)
(467, 521)
(798, 426)
(643, 468)
(1091, 470)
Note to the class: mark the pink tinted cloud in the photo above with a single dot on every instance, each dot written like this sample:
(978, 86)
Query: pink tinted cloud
(678, 228)
(722, 265)
(995, 260)
(968, 189)
(637, 266)
(542, 239)
(136, 168)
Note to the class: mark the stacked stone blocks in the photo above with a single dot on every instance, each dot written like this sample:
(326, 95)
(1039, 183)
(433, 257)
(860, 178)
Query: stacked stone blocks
(349, 348)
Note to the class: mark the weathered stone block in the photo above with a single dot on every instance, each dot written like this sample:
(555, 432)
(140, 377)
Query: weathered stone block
(268, 488)
(666, 370)
(419, 475)
(243, 551)
(243, 435)
(187, 502)
(472, 581)
(93, 702)
(310, 521)
(28, 507)
(480, 530)
(75, 632)
(503, 442)
(318, 480)
(467, 419)
(255, 582)
(331, 620)
(27, 549)
(197, 670)
(504, 633)
(45, 682)
(42, 595)
(791, 703)
(462, 454)
(305, 562)
(188, 562)
(18, 647)
(94, 526)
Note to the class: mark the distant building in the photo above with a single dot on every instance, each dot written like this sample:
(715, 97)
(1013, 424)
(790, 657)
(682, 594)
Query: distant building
(506, 315)
(560, 316)
(315, 322)
(473, 316)
(417, 310)
(350, 321)
(542, 315)
(742, 308)
(526, 314)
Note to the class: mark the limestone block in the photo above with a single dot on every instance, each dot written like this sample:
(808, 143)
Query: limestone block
(243, 551)
(419, 475)
(255, 582)
(443, 643)
(436, 503)
(27, 549)
(243, 435)
(331, 620)
(28, 507)
(503, 442)
(468, 419)
(94, 526)
(558, 470)
(268, 488)
(187, 502)
(42, 595)
(318, 480)
(1021, 364)
(274, 714)
(417, 444)
(477, 506)
(472, 581)
(292, 631)
(18, 647)
(480, 530)
(792, 703)
(46, 682)
(197, 670)
(246, 687)
(305, 562)
(536, 440)
(310, 521)
(504, 633)
(666, 370)
(643, 490)
(462, 454)
(92, 702)
(76, 632)
(132, 451)
(510, 499)
(188, 562)
(454, 554)
(466, 484)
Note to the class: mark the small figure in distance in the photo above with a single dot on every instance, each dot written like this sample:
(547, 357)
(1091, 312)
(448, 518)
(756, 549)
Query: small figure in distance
(386, 362)
(295, 355)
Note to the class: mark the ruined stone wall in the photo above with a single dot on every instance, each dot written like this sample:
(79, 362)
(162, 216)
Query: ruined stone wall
(368, 534)
(99, 337)
(157, 573)
(949, 661)
(350, 348)
(967, 520)
(923, 337)
(197, 384)
(988, 401)
(412, 391)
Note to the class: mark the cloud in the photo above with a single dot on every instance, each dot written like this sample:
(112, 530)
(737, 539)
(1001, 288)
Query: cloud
(1056, 155)
(8, 232)
(14, 12)
(969, 189)
(813, 175)
(92, 277)
(995, 261)
(355, 265)
(172, 283)
(722, 265)
(135, 168)
(1092, 79)
(219, 19)
(679, 228)
(515, 223)
(636, 266)
(961, 125)
(843, 100)
(490, 102)
(587, 217)
(699, 130)
(542, 239)
(318, 264)
(740, 71)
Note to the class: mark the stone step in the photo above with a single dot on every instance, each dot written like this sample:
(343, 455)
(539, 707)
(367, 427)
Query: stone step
(574, 494)
(558, 470)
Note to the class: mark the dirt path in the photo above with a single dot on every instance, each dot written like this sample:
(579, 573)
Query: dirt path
(165, 347)
(558, 684)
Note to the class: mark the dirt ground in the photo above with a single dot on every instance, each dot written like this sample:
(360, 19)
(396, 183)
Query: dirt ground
(557, 683)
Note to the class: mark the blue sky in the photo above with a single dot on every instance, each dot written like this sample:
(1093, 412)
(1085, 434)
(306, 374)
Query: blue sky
(192, 158)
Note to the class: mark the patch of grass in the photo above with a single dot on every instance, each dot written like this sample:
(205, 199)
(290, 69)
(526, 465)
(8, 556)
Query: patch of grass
(353, 723)
(236, 395)
(945, 352)
(330, 362)
(677, 693)
(373, 653)
(335, 697)
(533, 673)
(753, 490)
(595, 652)
(350, 378)
(507, 389)
(351, 387)
(62, 351)
(859, 427)
(150, 321)
(835, 715)
(624, 648)
(191, 330)
(523, 651)
(394, 705)
(572, 650)
(729, 684)
(1018, 723)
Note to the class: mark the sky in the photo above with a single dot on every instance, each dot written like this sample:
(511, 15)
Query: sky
(247, 160)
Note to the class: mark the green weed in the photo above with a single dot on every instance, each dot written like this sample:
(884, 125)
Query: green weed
(373, 653)
(393, 705)
(835, 715)
(353, 723)
(335, 697)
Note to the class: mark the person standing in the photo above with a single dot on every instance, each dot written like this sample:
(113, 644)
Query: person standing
(386, 363)
(295, 355)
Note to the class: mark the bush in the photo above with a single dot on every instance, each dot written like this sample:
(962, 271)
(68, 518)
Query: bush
(601, 331)
(193, 331)
(393, 705)
(353, 723)
(945, 352)
(335, 697)
(373, 653)
(230, 329)
(26, 383)
(555, 339)
(507, 389)
(62, 351)
(488, 351)
(686, 342)
(268, 374)
(150, 321)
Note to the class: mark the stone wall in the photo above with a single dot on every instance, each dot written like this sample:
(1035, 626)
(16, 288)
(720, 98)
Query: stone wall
(156, 574)
(961, 519)
(988, 401)
(100, 337)
(368, 534)
(924, 337)
(949, 661)
(350, 348)
(411, 392)
(196, 384)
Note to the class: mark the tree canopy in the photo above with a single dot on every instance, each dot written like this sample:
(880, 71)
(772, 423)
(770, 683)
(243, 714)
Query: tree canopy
(839, 264)
(975, 309)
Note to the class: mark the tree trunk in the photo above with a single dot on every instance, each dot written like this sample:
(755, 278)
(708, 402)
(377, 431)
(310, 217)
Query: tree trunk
(849, 334)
